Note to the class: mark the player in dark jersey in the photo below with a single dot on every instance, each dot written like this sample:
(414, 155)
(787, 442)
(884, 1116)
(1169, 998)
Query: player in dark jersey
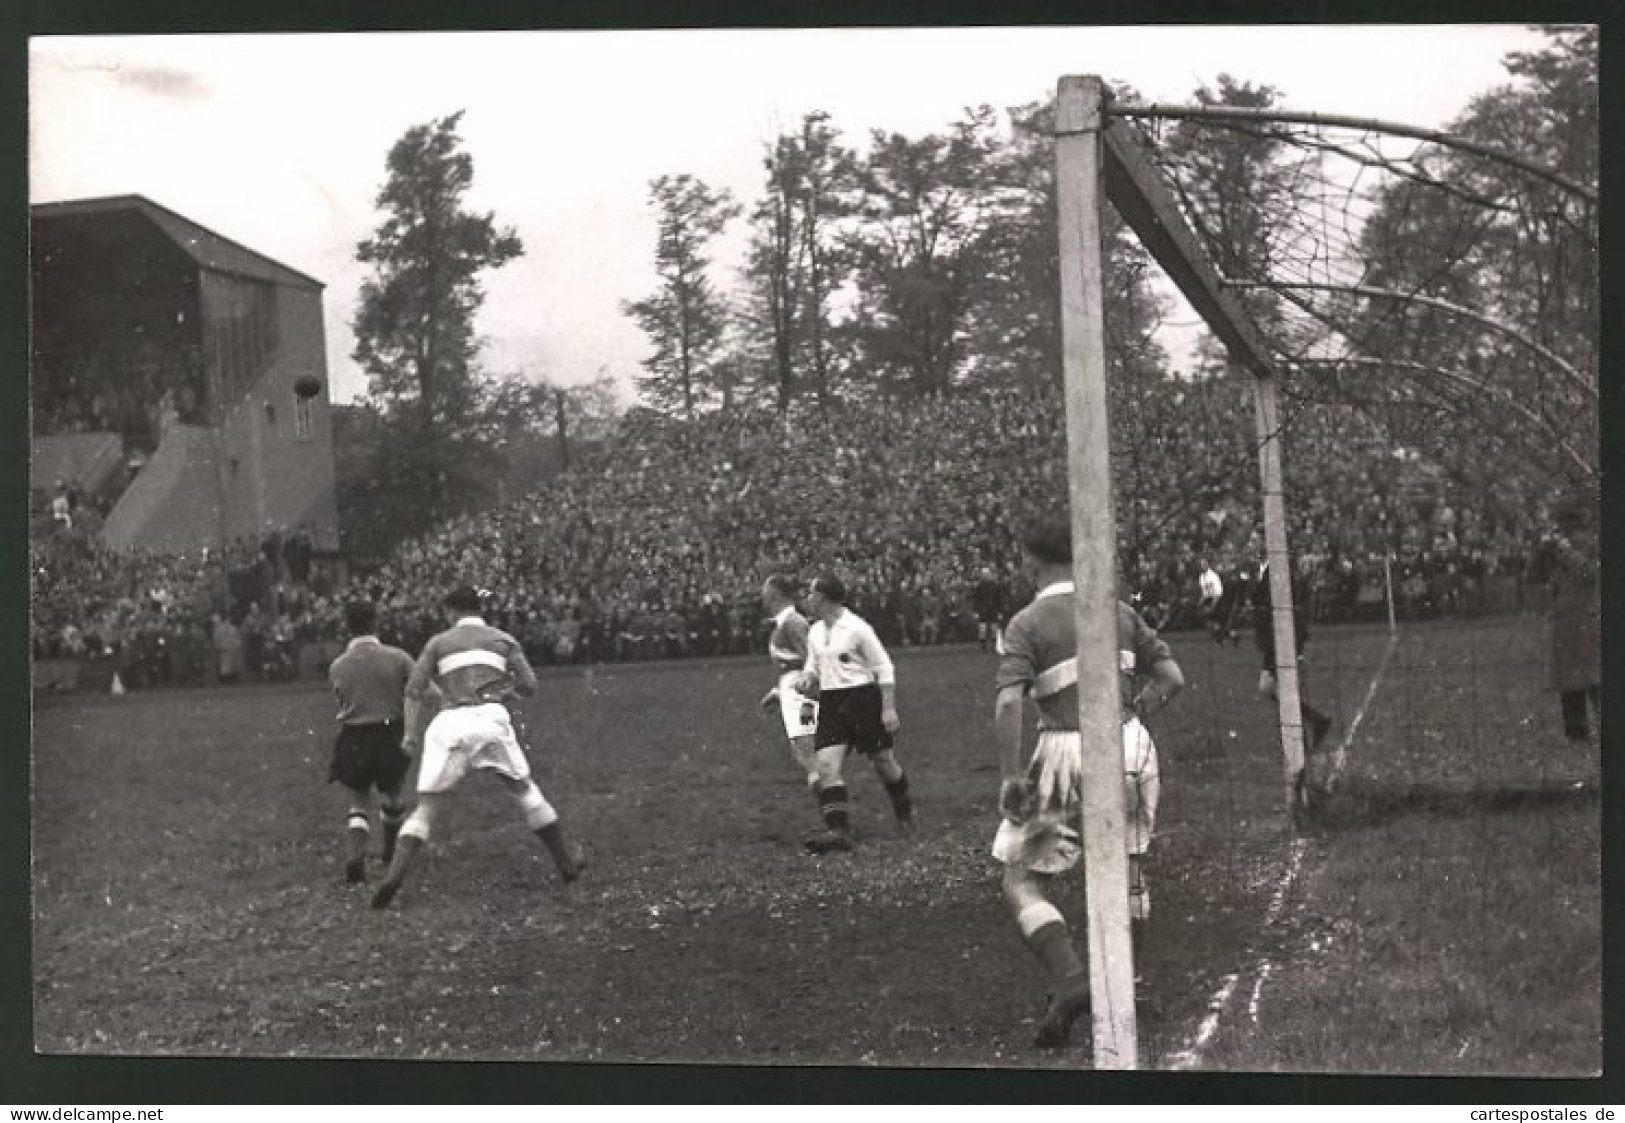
(1308, 783)
(989, 600)
(369, 681)
(787, 647)
(475, 668)
(1041, 802)
(1569, 556)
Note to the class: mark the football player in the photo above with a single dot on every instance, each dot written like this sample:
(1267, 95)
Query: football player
(369, 680)
(1041, 803)
(849, 672)
(787, 647)
(476, 668)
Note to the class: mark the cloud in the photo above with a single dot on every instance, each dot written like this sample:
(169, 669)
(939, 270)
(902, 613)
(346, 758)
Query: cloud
(164, 81)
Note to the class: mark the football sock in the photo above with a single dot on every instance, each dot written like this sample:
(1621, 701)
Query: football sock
(1045, 931)
(833, 806)
(392, 819)
(406, 853)
(1318, 725)
(356, 863)
(902, 806)
(1139, 894)
(565, 857)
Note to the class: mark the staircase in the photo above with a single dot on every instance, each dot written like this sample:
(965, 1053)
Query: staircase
(173, 503)
(89, 460)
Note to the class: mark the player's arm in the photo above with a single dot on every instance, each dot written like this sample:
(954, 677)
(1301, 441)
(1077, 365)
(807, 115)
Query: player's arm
(524, 678)
(807, 680)
(337, 683)
(418, 698)
(1017, 669)
(1164, 678)
(1015, 792)
(1164, 681)
(875, 657)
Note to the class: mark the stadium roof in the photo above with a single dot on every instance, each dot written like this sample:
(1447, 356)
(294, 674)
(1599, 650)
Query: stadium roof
(210, 250)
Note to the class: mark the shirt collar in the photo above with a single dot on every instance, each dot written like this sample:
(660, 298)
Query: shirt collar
(477, 621)
(1055, 589)
(360, 641)
(783, 614)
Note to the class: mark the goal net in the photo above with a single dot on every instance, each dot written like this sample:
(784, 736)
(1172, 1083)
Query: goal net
(1383, 290)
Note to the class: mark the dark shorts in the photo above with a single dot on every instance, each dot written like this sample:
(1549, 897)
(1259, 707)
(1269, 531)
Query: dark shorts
(370, 756)
(851, 717)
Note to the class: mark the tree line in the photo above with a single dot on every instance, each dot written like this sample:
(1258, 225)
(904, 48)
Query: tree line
(926, 264)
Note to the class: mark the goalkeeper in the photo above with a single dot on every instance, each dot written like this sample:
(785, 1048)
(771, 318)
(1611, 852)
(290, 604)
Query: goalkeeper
(1310, 782)
(1042, 803)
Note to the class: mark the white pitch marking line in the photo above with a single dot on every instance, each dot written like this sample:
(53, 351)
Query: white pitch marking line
(1187, 1058)
(1192, 1054)
(1258, 990)
(1340, 754)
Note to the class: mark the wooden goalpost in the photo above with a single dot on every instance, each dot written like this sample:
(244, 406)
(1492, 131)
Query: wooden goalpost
(1097, 159)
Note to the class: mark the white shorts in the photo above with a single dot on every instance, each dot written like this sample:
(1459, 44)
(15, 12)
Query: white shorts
(467, 737)
(1051, 841)
(800, 713)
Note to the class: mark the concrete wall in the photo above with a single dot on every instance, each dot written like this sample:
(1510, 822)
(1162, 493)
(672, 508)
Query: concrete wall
(270, 475)
(257, 471)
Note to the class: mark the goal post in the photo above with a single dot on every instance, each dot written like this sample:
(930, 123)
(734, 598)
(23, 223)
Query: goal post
(1079, 117)
(1289, 713)
(1096, 159)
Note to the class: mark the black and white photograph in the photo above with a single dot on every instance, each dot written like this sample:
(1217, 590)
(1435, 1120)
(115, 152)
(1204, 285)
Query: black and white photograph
(1003, 548)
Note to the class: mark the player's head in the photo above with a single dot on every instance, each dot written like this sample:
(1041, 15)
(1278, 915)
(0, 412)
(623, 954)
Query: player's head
(361, 617)
(778, 591)
(1048, 541)
(462, 601)
(826, 589)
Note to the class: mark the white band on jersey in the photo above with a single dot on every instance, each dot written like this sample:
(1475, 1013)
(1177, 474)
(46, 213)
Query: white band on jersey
(1056, 679)
(476, 658)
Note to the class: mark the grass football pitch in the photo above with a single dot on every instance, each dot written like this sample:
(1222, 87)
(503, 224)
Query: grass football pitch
(1442, 916)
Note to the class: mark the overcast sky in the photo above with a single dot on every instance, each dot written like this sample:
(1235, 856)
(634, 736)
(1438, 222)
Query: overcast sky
(278, 141)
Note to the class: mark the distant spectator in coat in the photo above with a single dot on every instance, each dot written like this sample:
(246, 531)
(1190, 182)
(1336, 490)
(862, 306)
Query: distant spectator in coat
(228, 649)
(1575, 616)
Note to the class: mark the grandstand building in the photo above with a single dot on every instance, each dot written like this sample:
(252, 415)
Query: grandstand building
(179, 380)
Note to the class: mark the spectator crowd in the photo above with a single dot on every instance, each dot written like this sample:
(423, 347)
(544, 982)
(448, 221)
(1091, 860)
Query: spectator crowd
(654, 543)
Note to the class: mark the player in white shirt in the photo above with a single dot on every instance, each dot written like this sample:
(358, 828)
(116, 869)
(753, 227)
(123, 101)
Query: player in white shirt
(1210, 586)
(852, 676)
(787, 647)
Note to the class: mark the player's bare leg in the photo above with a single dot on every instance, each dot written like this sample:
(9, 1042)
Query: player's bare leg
(1047, 936)
(543, 821)
(414, 835)
(895, 780)
(806, 758)
(832, 802)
